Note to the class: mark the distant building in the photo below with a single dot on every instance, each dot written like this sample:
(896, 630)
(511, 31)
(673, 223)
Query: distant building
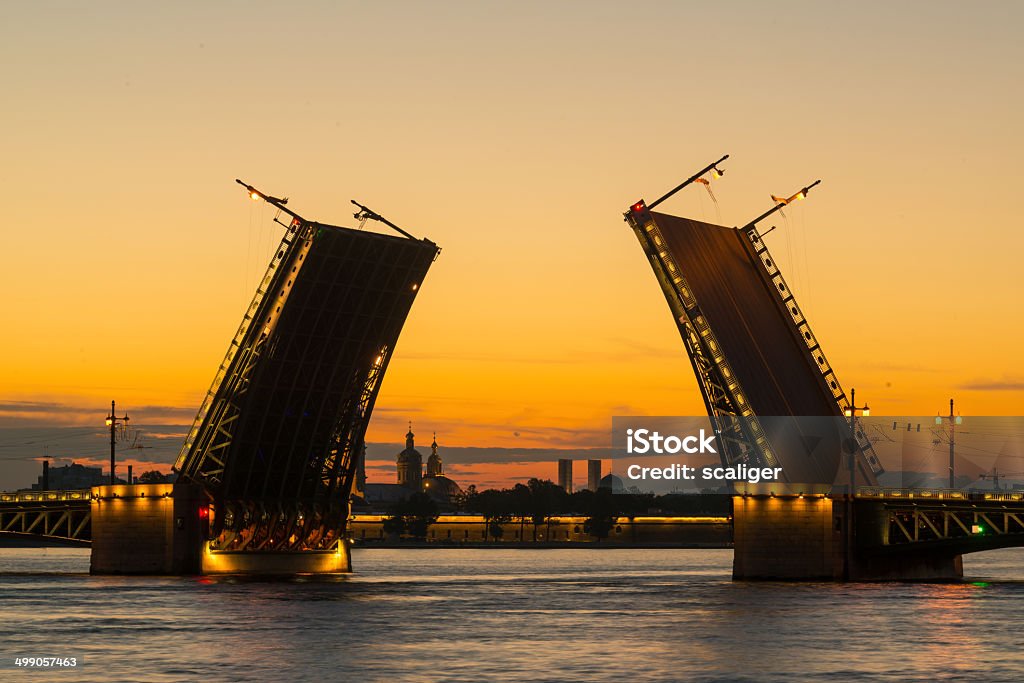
(73, 476)
(435, 467)
(410, 463)
(435, 484)
(565, 474)
(411, 477)
(612, 483)
(593, 475)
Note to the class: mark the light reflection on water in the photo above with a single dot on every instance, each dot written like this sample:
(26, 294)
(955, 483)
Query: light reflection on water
(487, 614)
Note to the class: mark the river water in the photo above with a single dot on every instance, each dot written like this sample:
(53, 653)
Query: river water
(492, 614)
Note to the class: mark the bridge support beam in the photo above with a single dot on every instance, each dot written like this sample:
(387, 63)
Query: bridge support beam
(802, 536)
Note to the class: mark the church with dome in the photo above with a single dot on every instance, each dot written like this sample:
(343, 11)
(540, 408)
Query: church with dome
(411, 477)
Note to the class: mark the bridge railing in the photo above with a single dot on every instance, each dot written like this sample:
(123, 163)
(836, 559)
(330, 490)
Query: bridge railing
(940, 494)
(45, 496)
(931, 494)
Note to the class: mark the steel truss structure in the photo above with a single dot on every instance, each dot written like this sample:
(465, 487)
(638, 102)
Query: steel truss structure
(275, 440)
(739, 433)
(742, 435)
(803, 330)
(979, 523)
(56, 514)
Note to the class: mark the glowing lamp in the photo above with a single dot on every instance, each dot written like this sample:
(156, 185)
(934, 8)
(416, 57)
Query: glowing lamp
(254, 195)
(109, 422)
(867, 412)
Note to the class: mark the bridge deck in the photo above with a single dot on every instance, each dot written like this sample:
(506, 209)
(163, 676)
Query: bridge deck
(771, 363)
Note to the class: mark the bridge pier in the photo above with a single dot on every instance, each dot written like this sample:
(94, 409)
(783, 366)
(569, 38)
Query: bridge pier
(788, 537)
(800, 533)
(147, 529)
(162, 529)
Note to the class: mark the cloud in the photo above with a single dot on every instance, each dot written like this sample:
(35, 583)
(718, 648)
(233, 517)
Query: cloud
(33, 407)
(53, 413)
(994, 385)
(454, 455)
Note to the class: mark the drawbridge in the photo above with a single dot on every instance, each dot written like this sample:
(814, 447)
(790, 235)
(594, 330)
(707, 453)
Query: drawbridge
(275, 442)
(771, 393)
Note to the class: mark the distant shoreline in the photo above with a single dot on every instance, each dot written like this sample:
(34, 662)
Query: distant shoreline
(546, 546)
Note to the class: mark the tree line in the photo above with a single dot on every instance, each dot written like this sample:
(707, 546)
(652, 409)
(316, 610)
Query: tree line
(536, 504)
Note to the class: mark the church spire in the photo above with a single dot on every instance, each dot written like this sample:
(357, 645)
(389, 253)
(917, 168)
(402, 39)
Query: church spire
(410, 463)
(434, 465)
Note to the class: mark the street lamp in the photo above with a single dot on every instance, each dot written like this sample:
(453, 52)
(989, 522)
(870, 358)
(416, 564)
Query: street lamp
(853, 448)
(112, 421)
(851, 413)
(954, 420)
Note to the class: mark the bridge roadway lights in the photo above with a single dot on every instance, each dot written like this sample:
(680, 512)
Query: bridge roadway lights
(797, 532)
(161, 529)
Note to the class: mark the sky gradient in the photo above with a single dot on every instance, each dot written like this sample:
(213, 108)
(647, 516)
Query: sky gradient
(514, 137)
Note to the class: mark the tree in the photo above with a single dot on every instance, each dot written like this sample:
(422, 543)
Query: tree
(546, 499)
(152, 477)
(496, 508)
(412, 516)
(603, 515)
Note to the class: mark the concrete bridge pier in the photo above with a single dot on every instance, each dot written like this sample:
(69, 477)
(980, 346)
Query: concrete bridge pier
(148, 529)
(793, 532)
(162, 529)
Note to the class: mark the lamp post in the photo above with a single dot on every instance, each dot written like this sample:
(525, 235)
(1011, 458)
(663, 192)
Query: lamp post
(854, 448)
(112, 421)
(851, 413)
(954, 420)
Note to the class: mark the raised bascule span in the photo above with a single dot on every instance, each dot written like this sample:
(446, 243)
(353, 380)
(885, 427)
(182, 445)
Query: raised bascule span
(276, 438)
(275, 443)
(772, 395)
(775, 401)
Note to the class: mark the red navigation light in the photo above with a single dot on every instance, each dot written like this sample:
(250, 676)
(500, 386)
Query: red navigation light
(639, 214)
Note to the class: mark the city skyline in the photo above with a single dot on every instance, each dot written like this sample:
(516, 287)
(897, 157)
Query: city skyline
(540, 319)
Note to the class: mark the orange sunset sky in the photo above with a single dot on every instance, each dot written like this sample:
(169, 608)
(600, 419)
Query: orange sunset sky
(514, 137)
